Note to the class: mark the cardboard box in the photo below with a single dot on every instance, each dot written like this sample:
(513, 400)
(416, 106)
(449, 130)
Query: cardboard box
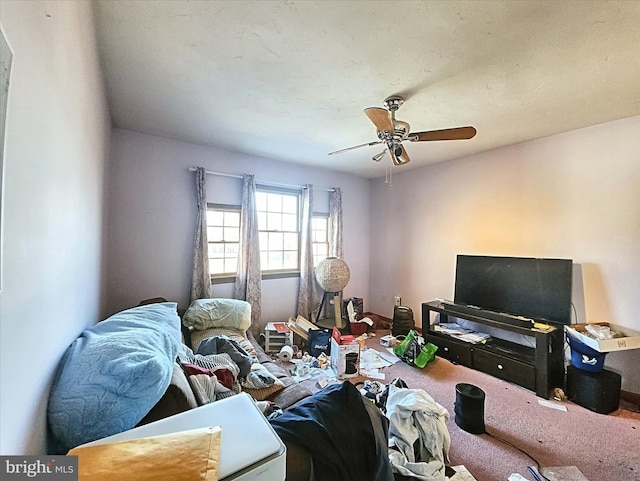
(345, 355)
(301, 326)
(630, 339)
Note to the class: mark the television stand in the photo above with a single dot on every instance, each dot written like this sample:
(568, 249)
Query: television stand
(539, 368)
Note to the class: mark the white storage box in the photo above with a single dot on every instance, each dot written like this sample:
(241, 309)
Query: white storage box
(630, 339)
(345, 358)
(250, 450)
(274, 340)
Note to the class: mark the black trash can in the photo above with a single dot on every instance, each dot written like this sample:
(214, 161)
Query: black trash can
(469, 408)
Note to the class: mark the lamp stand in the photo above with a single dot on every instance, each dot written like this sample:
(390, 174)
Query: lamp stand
(337, 307)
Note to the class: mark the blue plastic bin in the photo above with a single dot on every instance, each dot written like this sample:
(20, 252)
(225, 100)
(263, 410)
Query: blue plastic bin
(585, 358)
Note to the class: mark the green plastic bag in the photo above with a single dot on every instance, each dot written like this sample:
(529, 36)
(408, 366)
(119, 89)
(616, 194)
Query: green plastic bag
(407, 343)
(427, 354)
(414, 352)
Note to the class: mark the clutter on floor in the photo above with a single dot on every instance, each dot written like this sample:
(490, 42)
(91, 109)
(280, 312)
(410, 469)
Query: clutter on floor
(368, 364)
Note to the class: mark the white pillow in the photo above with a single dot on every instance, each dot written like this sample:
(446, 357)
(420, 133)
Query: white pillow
(207, 313)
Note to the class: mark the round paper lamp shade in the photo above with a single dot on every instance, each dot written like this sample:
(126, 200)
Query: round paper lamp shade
(332, 274)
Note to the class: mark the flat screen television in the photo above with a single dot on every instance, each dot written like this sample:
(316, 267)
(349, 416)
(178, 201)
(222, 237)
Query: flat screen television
(539, 289)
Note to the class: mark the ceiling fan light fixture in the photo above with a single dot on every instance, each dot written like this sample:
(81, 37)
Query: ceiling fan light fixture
(399, 154)
(378, 157)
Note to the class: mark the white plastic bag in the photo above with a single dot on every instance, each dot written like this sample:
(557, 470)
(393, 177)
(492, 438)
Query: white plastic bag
(599, 332)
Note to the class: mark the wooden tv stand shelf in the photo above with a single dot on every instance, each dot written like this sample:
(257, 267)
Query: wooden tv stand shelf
(539, 368)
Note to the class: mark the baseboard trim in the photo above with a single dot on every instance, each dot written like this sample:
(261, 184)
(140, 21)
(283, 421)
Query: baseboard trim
(632, 397)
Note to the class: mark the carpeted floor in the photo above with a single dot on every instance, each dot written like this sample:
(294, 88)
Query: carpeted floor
(602, 447)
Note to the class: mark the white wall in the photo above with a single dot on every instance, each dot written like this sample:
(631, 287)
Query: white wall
(153, 209)
(574, 195)
(56, 147)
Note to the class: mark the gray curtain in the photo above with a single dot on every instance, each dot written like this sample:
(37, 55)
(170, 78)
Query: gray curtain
(309, 291)
(200, 279)
(335, 223)
(249, 274)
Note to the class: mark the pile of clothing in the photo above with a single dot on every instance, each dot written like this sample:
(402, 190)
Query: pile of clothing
(221, 368)
(396, 433)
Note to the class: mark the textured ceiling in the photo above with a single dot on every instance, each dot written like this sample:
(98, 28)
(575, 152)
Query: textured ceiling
(289, 80)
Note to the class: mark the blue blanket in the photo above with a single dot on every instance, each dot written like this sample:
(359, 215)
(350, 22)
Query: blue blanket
(112, 375)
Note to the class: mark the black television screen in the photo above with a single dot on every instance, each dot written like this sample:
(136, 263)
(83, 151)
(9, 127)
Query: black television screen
(539, 289)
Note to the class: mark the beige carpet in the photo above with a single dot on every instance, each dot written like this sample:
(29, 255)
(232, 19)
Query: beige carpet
(602, 447)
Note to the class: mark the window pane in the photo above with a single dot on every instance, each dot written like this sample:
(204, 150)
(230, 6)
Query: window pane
(264, 260)
(263, 240)
(274, 203)
(216, 250)
(290, 241)
(276, 241)
(290, 260)
(231, 265)
(320, 239)
(274, 221)
(214, 217)
(232, 234)
(232, 219)
(215, 234)
(231, 250)
(216, 266)
(262, 220)
(275, 260)
(290, 204)
(261, 201)
(289, 222)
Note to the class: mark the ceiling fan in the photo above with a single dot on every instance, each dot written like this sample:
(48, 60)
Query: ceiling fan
(393, 132)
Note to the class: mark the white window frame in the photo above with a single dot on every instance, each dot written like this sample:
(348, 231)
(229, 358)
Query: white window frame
(225, 241)
(282, 228)
(219, 278)
(320, 246)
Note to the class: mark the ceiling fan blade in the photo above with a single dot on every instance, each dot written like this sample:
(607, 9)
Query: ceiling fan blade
(380, 118)
(457, 133)
(355, 147)
(399, 155)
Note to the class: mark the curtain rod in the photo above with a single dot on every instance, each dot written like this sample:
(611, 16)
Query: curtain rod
(272, 184)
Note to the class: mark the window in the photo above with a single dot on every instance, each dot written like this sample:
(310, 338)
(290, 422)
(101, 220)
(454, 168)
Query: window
(320, 228)
(223, 235)
(279, 226)
(279, 235)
